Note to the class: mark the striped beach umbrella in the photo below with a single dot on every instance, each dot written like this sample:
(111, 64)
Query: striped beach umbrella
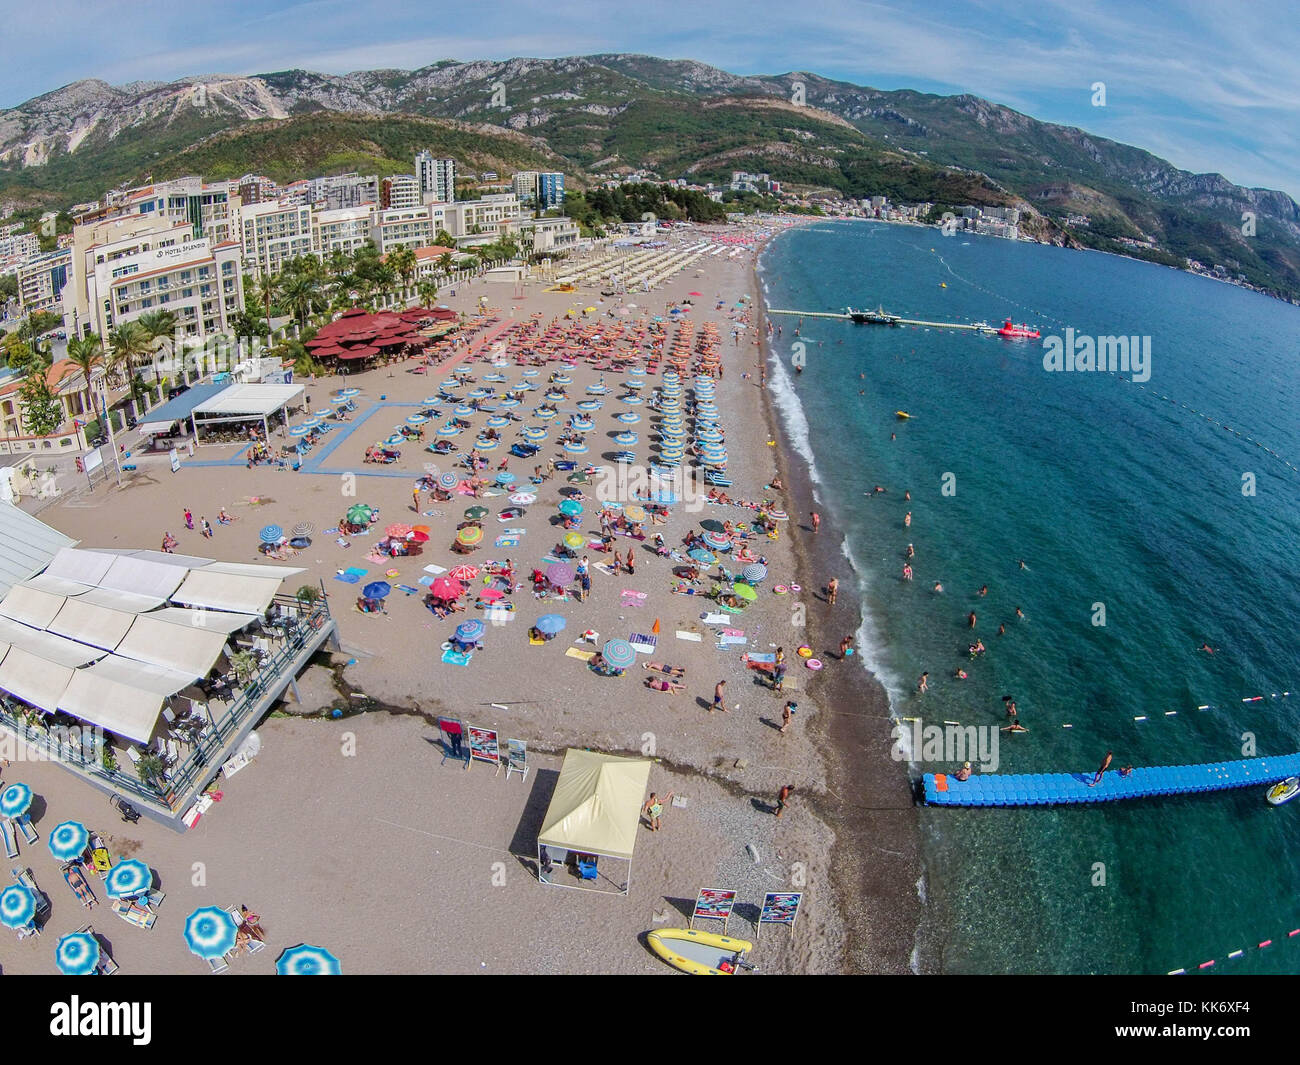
(210, 932)
(471, 630)
(416, 419)
(464, 573)
(583, 425)
(348, 393)
(631, 401)
(271, 534)
(718, 541)
(576, 448)
(358, 513)
(497, 421)
(505, 478)
(618, 654)
(77, 954)
(464, 411)
(17, 906)
(634, 383)
(512, 402)
(554, 396)
(448, 480)
(524, 498)
(754, 572)
(299, 430)
(562, 379)
(550, 623)
(634, 512)
(529, 373)
(475, 512)
(484, 444)
(628, 417)
(575, 540)
(306, 960)
(559, 573)
(534, 432)
(395, 440)
(544, 414)
(463, 371)
(571, 508)
(127, 879)
(432, 401)
(313, 422)
(709, 436)
(479, 393)
(589, 405)
(449, 430)
(627, 439)
(777, 514)
(15, 800)
(68, 840)
(470, 535)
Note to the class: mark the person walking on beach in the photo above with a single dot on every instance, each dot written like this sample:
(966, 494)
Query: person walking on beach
(783, 797)
(584, 580)
(1105, 764)
(787, 715)
(654, 808)
(832, 590)
(816, 521)
(189, 519)
(719, 697)
(631, 563)
(205, 528)
(415, 499)
(778, 670)
(846, 645)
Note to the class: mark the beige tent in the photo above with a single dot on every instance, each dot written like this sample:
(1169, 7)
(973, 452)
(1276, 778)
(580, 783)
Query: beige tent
(596, 806)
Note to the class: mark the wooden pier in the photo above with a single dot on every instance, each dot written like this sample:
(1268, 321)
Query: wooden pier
(887, 320)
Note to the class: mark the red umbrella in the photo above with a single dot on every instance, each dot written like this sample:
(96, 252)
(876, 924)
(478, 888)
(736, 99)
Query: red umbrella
(446, 588)
(464, 573)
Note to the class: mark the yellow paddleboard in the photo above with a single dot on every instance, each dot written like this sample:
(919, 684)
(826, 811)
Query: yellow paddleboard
(902, 414)
(697, 953)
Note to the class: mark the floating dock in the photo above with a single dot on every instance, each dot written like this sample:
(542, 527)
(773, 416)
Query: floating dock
(1055, 789)
(884, 318)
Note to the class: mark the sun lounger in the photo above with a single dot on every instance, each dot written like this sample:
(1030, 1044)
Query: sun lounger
(28, 829)
(106, 965)
(10, 838)
(99, 858)
(76, 878)
(217, 965)
(134, 914)
(24, 877)
(254, 944)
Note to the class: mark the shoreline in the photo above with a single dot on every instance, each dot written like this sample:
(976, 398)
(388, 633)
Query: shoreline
(870, 805)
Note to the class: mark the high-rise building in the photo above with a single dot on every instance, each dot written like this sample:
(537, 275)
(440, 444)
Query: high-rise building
(273, 233)
(345, 229)
(41, 282)
(550, 190)
(399, 192)
(343, 190)
(525, 183)
(437, 177)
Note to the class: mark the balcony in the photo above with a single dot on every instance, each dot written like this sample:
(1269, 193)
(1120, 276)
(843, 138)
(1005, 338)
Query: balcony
(292, 633)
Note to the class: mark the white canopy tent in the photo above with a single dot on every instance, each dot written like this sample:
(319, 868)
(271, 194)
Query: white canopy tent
(227, 591)
(243, 403)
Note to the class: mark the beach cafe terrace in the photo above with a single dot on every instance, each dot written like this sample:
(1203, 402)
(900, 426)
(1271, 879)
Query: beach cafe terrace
(143, 672)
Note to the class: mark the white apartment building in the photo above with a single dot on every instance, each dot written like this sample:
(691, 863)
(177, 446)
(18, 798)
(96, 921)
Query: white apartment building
(273, 233)
(41, 282)
(343, 190)
(104, 239)
(208, 208)
(199, 282)
(549, 234)
(17, 248)
(400, 191)
(345, 229)
(525, 185)
(436, 177)
(408, 227)
(488, 217)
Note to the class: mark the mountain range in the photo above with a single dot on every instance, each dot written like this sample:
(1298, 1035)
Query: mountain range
(616, 114)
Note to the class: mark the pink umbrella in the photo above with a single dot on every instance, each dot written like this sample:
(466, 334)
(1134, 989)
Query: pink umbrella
(463, 573)
(446, 588)
(491, 595)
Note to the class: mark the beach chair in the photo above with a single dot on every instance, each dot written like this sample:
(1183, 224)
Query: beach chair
(134, 914)
(10, 839)
(75, 876)
(106, 966)
(28, 829)
(217, 965)
(254, 943)
(99, 858)
(586, 869)
(24, 877)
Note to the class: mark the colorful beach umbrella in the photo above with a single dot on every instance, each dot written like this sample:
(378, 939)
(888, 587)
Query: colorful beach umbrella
(449, 430)
(470, 535)
(497, 422)
(550, 624)
(445, 588)
(376, 589)
(348, 393)
(634, 512)
(464, 573)
(358, 513)
(576, 448)
(68, 840)
(448, 480)
(744, 591)
(77, 954)
(299, 430)
(471, 630)
(484, 444)
(306, 960)
(210, 932)
(560, 573)
(416, 419)
(776, 514)
(718, 541)
(627, 439)
(523, 498)
(583, 425)
(571, 508)
(505, 477)
(628, 417)
(700, 555)
(127, 879)
(618, 654)
(15, 800)
(17, 906)
(575, 540)
(271, 534)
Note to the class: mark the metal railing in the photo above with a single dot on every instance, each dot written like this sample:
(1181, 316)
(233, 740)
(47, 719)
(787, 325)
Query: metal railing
(174, 791)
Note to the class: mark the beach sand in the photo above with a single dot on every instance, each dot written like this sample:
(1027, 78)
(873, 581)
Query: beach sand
(388, 857)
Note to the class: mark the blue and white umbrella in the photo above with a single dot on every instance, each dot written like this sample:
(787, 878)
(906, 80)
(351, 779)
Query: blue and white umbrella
(551, 623)
(578, 448)
(416, 419)
(497, 421)
(510, 403)
(628, 417)
(77, 954)
(17, 906)
(631, 401)
(395, 440)
(555, 396)
(562, 379)
(534, 432)
(464, 411)
(596, 390)
(589, 405)
(505, 477)
(448, 480)
(128, 879)
(618, 654)
(463, 371)
(636, 371)
(449, 430)
(271, 534)
(480, 393)
(544, 414)
(68, 840)
(754, 572)
(484, 444)
(306, 960)
(210, 932)
(348, 393)
(627, 439)
(583, 425)
(529, 373)
(469, 631)
(299, 430)
(432, 401)
(312, 422)
(634, 383)
(15, 800)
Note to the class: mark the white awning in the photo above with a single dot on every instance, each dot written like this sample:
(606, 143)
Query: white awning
(143, 576)
(79, 564)
(43, 582)
(125, 709)
(115, 599)
(191, 649)
(212, 620)
(88, 623)
(252, 569)
(31, 606)
(56, 649)
(227, 591)
(155, 428)
(253, 400)
(34, 679)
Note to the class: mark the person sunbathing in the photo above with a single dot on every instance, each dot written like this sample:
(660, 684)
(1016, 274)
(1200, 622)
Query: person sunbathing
(659, 667)
(660, 685)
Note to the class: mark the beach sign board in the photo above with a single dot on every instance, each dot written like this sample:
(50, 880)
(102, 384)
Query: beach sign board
(483, 745)
(453, 739)
(517, 758)
(779, 907)
(715, 904)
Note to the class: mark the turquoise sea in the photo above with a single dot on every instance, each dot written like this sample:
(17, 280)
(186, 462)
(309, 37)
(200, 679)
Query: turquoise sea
(1112, 493)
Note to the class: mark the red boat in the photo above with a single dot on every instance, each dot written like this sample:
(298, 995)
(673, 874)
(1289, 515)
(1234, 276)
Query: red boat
(1017, 332)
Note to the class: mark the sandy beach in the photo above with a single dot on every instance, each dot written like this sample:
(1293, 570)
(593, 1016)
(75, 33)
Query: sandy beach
(353, 834)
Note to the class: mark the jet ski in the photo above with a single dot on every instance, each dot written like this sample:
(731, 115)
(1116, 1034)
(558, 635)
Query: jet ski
(1283, 792)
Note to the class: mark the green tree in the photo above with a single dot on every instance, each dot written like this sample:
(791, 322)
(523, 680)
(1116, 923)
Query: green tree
(428, 292)
(446, 262)
(42, 409)
(444, 239)
(128, 345)
(403, 262)
(160, 326)
(20, 355)
(300, 293)
(87, 354)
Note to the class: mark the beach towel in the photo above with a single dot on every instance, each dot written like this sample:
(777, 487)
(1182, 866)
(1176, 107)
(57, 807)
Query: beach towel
(506, 541)
(694, 637)
(342, 542)
(513, 532)
(426, 581)
(431, 568)
(759, 659)
(604, 568)
(457, 658)
(408, 589)
(347, 578)
(713, 619)
(330, 532)
(499, 614)
(643, 642)
(632, 599)
(585, 656)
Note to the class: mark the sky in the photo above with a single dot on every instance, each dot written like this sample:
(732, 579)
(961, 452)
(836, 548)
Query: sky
(1211, 86)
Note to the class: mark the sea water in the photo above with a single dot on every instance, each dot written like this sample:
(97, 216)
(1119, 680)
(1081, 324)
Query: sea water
(1152, 516)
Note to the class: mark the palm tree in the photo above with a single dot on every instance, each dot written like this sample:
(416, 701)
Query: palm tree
(159, 325)
(403, 262)
(446, 261)
(300, 293)
(428, 292)
(87, 354)
(128, 344)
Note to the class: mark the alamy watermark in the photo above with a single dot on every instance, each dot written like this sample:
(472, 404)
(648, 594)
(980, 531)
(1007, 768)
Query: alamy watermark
(947, 743)
(1076, 353)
